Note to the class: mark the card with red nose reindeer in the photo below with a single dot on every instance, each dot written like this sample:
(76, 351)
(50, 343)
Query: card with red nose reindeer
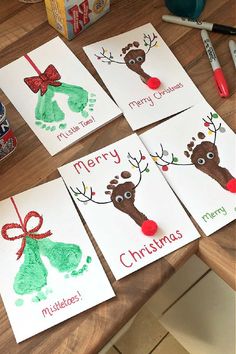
(129, 207)
(196, 154)
(49, 269)
(143, 76)
(57, 97)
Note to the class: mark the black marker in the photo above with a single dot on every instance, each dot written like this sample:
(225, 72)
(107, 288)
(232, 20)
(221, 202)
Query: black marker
(214, 27)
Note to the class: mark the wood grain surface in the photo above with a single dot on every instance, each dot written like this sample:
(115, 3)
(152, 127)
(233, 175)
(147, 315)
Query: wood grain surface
(23, 28)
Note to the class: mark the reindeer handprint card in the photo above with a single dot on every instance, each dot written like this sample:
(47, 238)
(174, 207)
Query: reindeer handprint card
(130, 209)
(56, 95)
(49, 270)
(143, 76)
(198, 159)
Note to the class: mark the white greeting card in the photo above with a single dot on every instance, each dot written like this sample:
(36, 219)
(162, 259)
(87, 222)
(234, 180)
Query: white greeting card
(196, 153)
(128, 206)
(56, 95)
(143, 76)
(49, 270)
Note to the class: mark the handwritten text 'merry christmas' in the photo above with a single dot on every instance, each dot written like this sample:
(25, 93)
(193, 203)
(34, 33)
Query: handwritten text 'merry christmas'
(90, 163)
(152, 99)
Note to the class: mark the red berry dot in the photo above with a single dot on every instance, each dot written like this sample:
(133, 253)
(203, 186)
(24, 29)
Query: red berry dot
(153, 83)
(164, 168)
(206, 124)
(93, 193)
(143, 158)
(231, 185)
(149, 227)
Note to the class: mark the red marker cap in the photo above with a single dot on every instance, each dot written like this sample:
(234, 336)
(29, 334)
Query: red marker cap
(221, 83)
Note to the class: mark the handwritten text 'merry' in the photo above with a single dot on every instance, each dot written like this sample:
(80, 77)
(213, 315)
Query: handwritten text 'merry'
(90, 163)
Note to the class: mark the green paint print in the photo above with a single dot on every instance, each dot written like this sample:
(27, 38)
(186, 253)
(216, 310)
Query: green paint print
(49, 116)
(39, 297)
(64, 257)
(89, 259)
(19, 302)
(32, 275)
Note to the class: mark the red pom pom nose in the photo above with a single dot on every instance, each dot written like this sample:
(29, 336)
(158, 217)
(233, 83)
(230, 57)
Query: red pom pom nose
(153, 83)
(231, 185)
(149, 227)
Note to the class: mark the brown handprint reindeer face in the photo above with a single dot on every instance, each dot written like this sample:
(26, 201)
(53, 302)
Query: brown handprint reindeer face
(205, 157)
(122, 195)
(134, 57)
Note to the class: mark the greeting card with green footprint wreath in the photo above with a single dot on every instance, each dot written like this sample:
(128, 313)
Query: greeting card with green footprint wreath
(49, 269)
(56, 95)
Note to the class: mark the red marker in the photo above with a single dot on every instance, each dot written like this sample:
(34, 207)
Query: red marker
(218, 73)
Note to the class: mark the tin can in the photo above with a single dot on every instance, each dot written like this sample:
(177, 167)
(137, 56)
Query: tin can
(7, 138)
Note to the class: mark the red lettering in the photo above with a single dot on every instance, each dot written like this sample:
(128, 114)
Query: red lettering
(62, 304)
(46, 311)
(91, 163)
(173, 237)
(164, 240)
(178, 233)
(150, 252)
(154, 249)
(69, 302)
(141, 251)
(133, 255)
(97, 158)
(77, 166)
(104, 155)
(156, 242)
(124, 264)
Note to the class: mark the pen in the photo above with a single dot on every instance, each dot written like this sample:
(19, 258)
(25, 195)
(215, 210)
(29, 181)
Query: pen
(218, 73)
(232, 48)
(213, 27)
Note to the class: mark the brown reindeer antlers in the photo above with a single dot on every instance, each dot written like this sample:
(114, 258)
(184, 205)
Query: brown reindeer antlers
(149, 41)
(136, 164)
(107, 58)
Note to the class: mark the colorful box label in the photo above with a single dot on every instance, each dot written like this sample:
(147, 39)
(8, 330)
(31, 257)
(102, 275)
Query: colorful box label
(70, 17)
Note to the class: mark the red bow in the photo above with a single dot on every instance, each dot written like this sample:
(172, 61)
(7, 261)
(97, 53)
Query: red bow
(42, 81)
(29, 233)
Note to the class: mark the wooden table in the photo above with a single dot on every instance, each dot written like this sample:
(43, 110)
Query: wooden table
(22, 29)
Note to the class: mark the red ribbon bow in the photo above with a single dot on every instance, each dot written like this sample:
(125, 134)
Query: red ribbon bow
(42, 81)
(23, 226)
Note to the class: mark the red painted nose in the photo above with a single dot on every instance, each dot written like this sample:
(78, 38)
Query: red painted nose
(231, 185)
(153, 83)
(149, 227)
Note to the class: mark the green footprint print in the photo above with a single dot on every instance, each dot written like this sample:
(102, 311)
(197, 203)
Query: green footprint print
(49, 115)
(32, 275)
(64, 257)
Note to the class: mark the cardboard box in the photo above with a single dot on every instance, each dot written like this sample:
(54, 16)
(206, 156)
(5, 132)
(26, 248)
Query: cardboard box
(70, 17)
